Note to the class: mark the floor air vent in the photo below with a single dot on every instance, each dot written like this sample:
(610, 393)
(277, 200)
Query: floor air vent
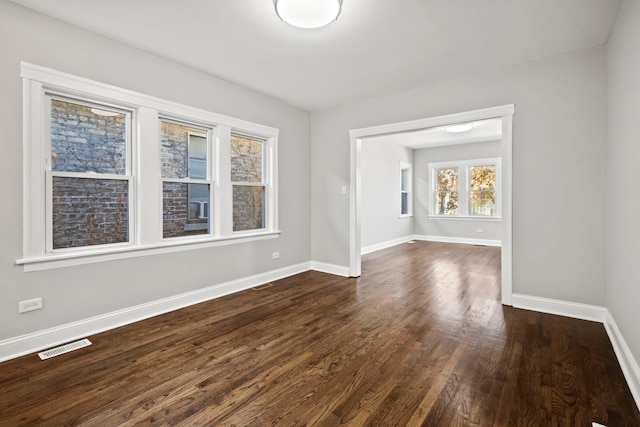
(47, 354)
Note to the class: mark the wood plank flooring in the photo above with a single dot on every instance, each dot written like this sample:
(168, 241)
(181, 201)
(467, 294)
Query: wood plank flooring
(420, 339)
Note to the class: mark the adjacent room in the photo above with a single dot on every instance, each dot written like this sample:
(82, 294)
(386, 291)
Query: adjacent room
(319, 212)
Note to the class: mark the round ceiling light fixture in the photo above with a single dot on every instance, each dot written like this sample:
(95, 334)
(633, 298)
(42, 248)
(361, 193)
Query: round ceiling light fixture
(459, 128)
(308, 13)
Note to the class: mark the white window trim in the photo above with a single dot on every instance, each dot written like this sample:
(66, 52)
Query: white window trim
(210, 180)
(264, 183)
(463, 188)
(406, 166)
(146, 237)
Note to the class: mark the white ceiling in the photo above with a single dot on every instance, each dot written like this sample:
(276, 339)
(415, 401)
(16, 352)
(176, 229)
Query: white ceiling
(375, 48)
(485, 130)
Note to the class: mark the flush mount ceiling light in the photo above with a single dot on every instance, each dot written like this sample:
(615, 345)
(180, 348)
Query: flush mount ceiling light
(308, 13)
(459, 128)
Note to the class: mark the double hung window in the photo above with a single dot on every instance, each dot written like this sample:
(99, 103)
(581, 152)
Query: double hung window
(406, 189)
(248, 180)
(186, 179)
(111, 173)
(89, 182)
(465, 189)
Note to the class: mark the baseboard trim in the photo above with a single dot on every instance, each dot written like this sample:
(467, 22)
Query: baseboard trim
(384, 245)
(465, 240)
(47, 338)
(628, 363)
(562, 308)
(323, 267)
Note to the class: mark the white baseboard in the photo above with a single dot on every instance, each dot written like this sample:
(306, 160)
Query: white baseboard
(628, 363)
(384, 245)
(323, 267)
(465, 240)
(33, 342)
(562, 308)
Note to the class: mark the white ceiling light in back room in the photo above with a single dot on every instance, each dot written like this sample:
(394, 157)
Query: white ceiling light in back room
(308, 13)
(459, 128)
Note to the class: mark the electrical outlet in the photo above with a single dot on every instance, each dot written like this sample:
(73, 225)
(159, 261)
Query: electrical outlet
(479, 230)
(275, 255)
(30, 305)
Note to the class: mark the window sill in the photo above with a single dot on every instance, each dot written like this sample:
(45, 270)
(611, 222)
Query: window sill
(406, 216)
(70, 259)
(466, 218)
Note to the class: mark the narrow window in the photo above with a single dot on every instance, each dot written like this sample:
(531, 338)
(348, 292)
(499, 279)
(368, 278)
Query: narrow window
(248, 182)
(89, 181)
(446, 191)
(405, 189)
(186, 183)
(482, 190)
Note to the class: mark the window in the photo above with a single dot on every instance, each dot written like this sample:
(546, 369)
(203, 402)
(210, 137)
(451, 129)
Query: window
(247, 177)
(110, 174)
(465, 189)
(446, 182)
(186, 187)
(482, 190)
(406, 189)
(89, 182)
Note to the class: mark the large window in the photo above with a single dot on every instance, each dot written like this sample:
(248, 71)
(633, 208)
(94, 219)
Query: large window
(110, 173)
(89, 180)
(465, 189)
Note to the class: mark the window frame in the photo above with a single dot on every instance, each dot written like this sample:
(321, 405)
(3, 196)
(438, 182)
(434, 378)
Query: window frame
(145, 206)
(264, 181)
(208, 131)
(406, 166)
(50, 174)
(464, 192)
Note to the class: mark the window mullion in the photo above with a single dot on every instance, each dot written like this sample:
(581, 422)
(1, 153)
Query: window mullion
(148, 207)
(224, 203)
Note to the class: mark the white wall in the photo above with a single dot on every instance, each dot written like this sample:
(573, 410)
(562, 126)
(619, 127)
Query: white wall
(380, 171)
(75, 293)
(446, 227)
(623, 163)
(558, 148)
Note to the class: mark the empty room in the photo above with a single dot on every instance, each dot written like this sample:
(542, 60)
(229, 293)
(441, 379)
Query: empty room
(319, 212)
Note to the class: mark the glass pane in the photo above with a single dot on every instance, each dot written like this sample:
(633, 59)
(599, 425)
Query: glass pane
(88, 212)
(404, 179)
(246, 159)
(482, 203)
(446, 203)
(404, 203)
(482, 178)
(86, 139)
(197, 157)
(248, 207)
(447, 179)
(183, 151)
(185, 209)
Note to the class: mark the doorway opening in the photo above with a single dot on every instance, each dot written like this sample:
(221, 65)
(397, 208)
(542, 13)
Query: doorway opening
(358, 136)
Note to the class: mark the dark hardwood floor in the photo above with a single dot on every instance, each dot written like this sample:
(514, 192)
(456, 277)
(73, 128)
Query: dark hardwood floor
(420, 339)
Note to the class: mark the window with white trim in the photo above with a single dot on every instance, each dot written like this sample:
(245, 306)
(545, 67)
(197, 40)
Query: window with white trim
(111, 173)
(248, 181)
(186, 178)
(406, 189)
(465, 189)
(89, 179)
